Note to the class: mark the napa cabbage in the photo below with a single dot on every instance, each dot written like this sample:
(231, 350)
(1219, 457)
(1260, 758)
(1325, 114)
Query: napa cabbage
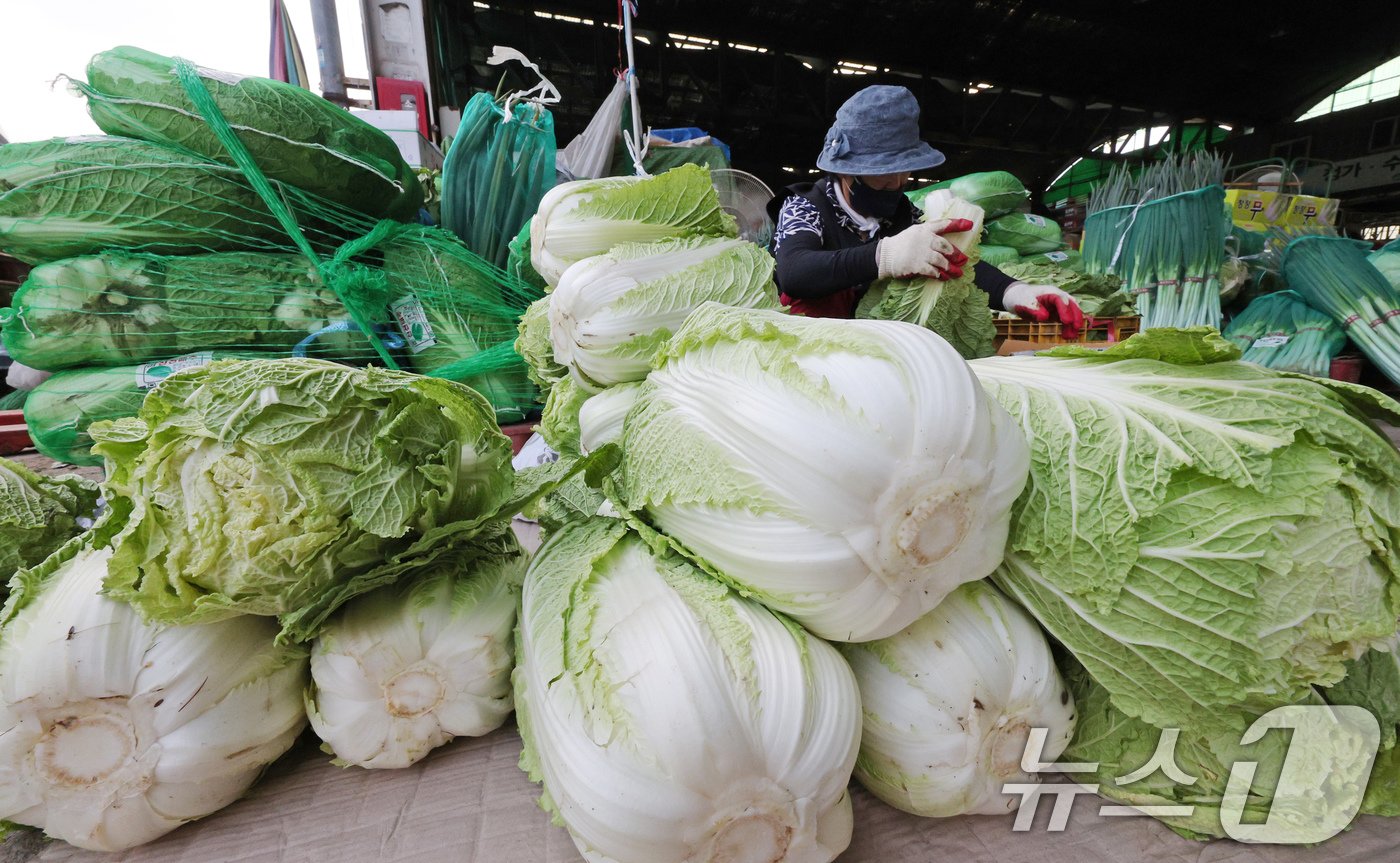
(1202, 534)
(583, 218)
(848, 473)
(670, 719)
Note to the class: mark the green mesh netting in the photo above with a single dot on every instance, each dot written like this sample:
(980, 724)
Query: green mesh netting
(121, 307)
(148, 252)
(1387, 260)
(518, 261)
(496, 171)
(297, 137)
(1163, 231)
(59, 410)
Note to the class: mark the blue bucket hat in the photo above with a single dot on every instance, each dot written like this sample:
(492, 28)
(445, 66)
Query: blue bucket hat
(877, 132)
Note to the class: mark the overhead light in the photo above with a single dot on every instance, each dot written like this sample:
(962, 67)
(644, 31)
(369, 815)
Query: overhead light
(806, 64)
(789, 170)
(847, 67)
(692, 43)
(644, 40)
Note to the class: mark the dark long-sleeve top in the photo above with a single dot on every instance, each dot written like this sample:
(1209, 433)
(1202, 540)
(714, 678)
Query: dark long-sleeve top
(825, 262)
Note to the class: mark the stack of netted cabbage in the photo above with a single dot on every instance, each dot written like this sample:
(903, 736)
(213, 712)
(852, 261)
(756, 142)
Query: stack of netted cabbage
(230, 217)
(281, 537)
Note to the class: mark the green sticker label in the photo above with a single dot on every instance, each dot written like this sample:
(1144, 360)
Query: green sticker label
(150, 374)
(413, 323)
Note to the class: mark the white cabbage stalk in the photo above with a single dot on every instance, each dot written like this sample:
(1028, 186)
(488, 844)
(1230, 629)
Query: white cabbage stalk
(584, 218)
(610, 313)
(848, 473)
(671, 720)
(600, 418)
(943, 204)
(404, 669)
(22, 377)
(114, 731)
(949, 704)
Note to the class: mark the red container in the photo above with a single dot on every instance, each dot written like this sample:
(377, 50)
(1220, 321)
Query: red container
(14, 434)
(1346, 367)
(518, 434)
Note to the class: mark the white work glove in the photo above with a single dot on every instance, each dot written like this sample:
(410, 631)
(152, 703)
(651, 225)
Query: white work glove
(920, 250)
(1044, 303)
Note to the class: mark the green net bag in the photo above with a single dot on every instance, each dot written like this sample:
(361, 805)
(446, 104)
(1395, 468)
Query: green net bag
(1067, 258)
(59, 410)
(459, 319)
(121, 307)
(998, 255)
(498, 168)
(77, 196)
(297, 137)
(1387, 260)
(996, 192)
(157, 252)
(518, 261)
(1027, 233)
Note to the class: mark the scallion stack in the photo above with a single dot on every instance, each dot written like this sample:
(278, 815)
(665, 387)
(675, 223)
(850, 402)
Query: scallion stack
(1281, 331)
(1334, 275)
(1164, 233)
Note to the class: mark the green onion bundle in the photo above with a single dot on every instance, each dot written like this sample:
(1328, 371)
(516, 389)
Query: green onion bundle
(1281, 331)
(1249, 324)
(1164, 234)
(1334, 275)
(496, 171)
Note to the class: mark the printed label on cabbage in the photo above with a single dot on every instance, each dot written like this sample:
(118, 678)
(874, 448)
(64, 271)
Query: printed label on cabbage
(413, 323)
(150, 374)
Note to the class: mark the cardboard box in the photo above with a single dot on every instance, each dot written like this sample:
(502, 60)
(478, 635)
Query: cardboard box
(402, 128)
(1257, 210)
(1307, 210)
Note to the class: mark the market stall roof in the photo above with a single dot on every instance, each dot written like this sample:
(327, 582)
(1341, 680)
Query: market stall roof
(1025, 86)
(1248, 62)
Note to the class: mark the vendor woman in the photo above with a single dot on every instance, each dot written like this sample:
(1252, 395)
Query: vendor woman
(837, 235)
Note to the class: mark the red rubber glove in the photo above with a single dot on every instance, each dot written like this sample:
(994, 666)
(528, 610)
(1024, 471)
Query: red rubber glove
(1044, 303)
